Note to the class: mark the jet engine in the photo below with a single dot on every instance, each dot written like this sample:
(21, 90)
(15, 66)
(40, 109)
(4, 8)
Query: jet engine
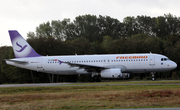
(111, 73)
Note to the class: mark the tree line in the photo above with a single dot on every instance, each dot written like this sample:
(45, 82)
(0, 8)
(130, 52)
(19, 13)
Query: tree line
(90, 34)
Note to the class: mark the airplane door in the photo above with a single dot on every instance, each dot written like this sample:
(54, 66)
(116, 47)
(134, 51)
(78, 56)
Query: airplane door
(151, 60)
(39, 63)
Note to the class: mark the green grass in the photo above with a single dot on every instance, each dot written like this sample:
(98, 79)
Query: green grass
(130, 82)
(75, 97)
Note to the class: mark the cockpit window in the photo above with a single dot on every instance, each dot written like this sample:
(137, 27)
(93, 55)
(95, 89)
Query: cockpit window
(164, 59)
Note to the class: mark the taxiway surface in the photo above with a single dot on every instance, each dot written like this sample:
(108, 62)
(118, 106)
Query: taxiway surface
(77, 84)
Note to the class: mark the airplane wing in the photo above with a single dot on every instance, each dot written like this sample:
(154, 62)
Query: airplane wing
(18, 62)
(95, 68)
(88, 68)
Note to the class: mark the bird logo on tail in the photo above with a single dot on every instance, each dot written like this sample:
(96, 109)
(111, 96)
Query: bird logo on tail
(22, 47)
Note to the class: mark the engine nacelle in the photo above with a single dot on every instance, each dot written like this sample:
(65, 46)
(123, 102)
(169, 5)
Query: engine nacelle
(111, 73)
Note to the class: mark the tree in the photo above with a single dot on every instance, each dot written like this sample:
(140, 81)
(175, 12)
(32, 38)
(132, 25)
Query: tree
(130, 26)
(44, 30)
(107, 43)
(173, 23)
(95, 48)
(145, 25)
(161, 27)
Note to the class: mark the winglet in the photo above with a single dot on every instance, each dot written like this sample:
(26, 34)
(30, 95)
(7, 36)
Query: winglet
(20, 46)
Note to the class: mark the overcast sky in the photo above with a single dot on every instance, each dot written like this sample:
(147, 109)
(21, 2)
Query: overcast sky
(26, 15)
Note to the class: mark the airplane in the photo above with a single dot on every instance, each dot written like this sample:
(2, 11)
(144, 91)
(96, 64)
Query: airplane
(98, 66)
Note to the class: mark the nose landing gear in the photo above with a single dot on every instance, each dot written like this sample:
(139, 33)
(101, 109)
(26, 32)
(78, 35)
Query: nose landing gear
(153, 76)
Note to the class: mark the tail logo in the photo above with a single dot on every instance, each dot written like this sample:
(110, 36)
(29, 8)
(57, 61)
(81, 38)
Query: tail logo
(22, 47)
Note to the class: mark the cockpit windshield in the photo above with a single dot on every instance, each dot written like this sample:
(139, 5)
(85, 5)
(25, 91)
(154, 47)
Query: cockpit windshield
(165, 59)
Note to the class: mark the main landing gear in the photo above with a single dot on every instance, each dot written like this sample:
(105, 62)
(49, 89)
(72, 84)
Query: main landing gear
(95, 77)
(153, 76)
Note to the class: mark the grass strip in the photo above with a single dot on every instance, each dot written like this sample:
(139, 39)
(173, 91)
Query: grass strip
(90, 97)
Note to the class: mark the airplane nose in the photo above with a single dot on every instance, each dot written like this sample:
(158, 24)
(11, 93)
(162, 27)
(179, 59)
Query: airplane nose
(174, 65)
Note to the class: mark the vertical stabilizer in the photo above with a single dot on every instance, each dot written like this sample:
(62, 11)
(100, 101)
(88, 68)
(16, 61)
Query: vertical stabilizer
(20, 46)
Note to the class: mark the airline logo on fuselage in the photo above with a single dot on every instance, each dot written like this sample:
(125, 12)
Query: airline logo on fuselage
(132, 57)
(55, 61)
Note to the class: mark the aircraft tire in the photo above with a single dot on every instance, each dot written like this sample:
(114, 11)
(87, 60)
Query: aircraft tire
(91, 79)
(98, 79)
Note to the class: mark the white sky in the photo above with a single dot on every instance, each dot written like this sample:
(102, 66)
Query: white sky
(26, 15)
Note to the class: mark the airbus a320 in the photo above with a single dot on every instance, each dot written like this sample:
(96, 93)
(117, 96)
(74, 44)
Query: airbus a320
(99, 66)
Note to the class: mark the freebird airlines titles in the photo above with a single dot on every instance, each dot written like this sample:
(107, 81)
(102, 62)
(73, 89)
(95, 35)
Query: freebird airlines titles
(99, 66)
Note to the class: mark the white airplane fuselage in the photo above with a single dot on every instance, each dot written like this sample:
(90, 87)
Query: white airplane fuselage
(128, 63)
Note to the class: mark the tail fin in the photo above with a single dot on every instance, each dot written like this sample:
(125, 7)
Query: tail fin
(20, 46)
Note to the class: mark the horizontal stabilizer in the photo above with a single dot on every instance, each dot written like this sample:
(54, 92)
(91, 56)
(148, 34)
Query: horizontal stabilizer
(15, 61)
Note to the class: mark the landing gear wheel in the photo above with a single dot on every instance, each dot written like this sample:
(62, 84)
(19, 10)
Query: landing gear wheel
(98, 78)
(153, 76)
(95, 78)
(91, 79)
